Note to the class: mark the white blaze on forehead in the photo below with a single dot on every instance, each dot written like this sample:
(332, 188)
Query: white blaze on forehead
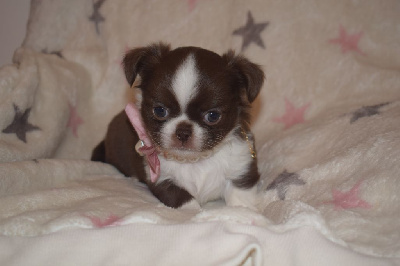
(185, 80)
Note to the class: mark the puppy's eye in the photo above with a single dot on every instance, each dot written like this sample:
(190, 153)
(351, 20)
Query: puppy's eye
(212, 117)
(161, 113)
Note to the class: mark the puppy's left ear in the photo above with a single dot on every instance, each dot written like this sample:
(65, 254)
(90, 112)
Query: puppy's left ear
(249, 75)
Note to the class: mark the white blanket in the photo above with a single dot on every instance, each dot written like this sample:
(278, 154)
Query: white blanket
(327, 127)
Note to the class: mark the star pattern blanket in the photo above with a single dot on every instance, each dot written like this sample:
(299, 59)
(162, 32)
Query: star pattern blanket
(327, 128)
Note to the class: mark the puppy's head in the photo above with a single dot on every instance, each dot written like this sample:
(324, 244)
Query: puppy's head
(192, 98)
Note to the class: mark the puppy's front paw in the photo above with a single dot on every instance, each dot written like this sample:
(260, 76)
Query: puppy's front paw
(170, 194)
(192, 204)
(241, 197)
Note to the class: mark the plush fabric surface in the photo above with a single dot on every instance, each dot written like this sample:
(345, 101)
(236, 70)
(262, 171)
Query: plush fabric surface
(327, 128)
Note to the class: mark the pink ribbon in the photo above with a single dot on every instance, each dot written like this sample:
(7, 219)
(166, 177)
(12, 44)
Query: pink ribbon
(148, 150)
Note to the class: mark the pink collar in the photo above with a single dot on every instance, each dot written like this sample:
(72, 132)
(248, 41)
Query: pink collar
(144, 146)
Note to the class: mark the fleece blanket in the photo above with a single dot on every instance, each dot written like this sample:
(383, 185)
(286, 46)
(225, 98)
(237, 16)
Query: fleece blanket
(327, 128)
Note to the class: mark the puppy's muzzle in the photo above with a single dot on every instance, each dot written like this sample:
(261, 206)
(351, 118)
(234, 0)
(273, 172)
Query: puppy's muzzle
(184, 132)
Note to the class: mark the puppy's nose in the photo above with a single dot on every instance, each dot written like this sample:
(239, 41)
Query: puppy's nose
(183, 132)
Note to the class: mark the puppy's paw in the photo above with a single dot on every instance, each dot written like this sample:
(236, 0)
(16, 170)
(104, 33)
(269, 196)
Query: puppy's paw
(239, 197)
(191, 205)
(170, 194)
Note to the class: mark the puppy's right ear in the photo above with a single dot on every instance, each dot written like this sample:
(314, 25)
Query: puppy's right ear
(139, 60)
(250, 76)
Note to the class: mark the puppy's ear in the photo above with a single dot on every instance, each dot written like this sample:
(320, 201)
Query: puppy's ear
(140, 60)
(250, 76)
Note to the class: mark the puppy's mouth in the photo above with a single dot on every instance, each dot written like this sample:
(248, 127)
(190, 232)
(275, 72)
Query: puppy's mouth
(185, 154)
(184, 141)
(179, 149)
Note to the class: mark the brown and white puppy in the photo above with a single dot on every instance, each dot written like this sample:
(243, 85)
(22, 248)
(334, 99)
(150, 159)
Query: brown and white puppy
(195, 108)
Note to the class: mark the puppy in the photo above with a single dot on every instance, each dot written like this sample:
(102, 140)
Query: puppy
(194, 106)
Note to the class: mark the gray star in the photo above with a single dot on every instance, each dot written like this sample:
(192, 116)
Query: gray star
(20, 125)
(251, 32)
(283, 181)
(96, 17)
(366, 111)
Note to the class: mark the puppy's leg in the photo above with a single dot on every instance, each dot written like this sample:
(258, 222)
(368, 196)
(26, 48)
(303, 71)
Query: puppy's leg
(99, 153)
(170, 194)
(243, 190)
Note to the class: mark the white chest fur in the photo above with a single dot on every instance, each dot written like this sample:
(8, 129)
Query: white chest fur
(209, 178)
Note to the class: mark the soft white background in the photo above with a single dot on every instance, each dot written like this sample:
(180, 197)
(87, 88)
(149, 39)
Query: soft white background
(13, 18)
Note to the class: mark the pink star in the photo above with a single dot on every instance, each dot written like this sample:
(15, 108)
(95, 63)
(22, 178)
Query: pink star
(109, 221)
(348, 42)
(74, 120)
(350, 199)
(292, 114)
(192, 4)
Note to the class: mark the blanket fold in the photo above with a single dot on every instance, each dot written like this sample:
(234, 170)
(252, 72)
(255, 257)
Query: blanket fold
(39, 94)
